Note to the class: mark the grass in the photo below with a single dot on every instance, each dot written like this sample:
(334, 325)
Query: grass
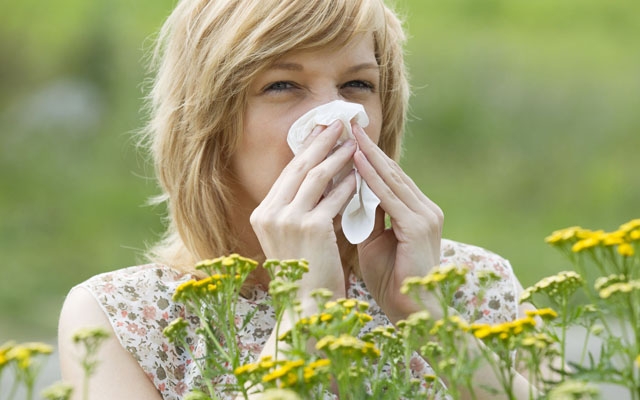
(524, 120)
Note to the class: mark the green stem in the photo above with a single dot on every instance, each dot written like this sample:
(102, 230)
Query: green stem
(185, 345)
(563, 343)
(214, 339)
(85, 385)
(583, 353)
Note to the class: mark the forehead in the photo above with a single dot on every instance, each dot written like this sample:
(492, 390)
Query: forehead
(358, 50)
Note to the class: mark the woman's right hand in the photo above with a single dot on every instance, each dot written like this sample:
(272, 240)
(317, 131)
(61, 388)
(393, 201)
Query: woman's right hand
(296, 221)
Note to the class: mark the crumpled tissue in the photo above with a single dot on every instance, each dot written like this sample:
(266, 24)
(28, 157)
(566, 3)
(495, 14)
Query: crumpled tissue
(358, 217)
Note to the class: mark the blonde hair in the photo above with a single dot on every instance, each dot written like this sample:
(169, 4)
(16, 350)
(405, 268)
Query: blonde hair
(208, 53)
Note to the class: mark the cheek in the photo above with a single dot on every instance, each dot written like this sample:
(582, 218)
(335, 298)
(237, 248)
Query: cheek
(373, 130)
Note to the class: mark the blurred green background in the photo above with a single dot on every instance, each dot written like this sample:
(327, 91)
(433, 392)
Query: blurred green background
(524, 120)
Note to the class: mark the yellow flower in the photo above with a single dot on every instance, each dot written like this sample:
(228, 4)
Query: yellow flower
(539, 340)
(545, 313)
(605, 281)
(183, 290)
(232, 264)
(176, 330)
(330, 304)
(347, 345)
(585, 244)
(620, 287)
(325, 317)
(525, 295)
(562, 235)
(625, 249)
(634, 234)
(451, 274)
(310, 371)
(282, 371)
(452, 324)
(20, 354)
(347, 303)
(631, 225)
(565, 282)
(481, 331)
(321, 295)
(429, 378)
(266, 362)
(245, 369)
(614, 238)
(4, 350)
(58, 391)
(504, 330)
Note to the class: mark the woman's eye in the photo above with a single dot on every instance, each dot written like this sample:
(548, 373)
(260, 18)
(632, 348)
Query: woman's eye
(279, 86)
(358, 84)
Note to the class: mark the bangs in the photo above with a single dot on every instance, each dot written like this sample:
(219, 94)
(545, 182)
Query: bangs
(312, 24)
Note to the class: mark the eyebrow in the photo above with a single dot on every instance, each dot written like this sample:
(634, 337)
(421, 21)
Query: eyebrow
(289, 66)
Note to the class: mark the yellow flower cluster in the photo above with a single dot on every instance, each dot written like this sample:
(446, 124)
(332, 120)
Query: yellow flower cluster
(605, 281)
(289, 270)
(347, 305)
(284, 372)
(451, 324)
(349, 311)
(232, 264)
(203, 287)
(537, 340)
(89, 334)
(348, 346)
(22, 354)
(438, 275)
(58, 391)
(619, 288)
(584, 239)
(546, 314)
(565, 282)
(505, 330)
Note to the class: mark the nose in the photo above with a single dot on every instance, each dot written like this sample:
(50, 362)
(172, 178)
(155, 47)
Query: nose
(326, 96)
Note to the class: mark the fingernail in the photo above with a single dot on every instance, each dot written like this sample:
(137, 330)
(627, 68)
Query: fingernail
(315, 131)
(335, 124)
(358, 129)
(349, 143)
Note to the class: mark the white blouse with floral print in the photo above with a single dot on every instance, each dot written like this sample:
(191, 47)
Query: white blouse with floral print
(138, 303)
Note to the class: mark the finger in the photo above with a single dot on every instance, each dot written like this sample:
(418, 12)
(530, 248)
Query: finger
(333, 203)
(396, 207)
(319, 177)
(391, 202)
(390, 171)
(320, 144)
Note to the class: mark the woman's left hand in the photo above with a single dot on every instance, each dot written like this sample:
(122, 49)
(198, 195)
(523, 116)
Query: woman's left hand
(411, 247)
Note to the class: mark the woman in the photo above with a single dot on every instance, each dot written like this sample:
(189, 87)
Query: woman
(232, 77)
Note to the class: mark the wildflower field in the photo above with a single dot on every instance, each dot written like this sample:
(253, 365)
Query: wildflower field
(326, 352)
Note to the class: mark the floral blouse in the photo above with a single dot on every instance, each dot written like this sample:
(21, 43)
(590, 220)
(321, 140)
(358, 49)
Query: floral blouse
(138, 303)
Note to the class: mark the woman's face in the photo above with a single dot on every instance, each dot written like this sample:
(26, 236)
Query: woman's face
(295, 84)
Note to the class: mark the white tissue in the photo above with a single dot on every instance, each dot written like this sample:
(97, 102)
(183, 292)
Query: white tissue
(358, 217)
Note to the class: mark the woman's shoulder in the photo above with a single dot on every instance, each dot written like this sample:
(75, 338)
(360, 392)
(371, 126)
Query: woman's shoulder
(138, 298)
(492, 302)
(140, 274)
(474, 258)
(136, 304)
